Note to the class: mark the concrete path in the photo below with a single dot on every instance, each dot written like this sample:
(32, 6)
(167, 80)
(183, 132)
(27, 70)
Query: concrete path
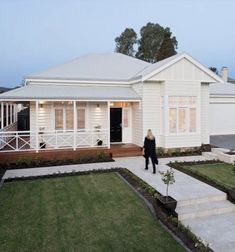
(223, 141)
(202, 207)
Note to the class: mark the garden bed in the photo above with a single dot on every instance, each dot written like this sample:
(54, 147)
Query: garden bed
(84, 158)
(179, 152)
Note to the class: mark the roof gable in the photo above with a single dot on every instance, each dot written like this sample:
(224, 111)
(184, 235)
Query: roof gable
(180, 67)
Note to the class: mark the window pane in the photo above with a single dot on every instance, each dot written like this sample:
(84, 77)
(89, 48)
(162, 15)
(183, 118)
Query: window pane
(192, 100)
(125, 118)
(172, 100)
(69, 119)
(192, 120)
(182, 120)
(172, 120)
(81, 118)
(59, 119)
(182, 101)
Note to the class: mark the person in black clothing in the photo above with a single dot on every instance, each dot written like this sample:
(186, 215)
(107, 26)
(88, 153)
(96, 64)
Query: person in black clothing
(149, 150)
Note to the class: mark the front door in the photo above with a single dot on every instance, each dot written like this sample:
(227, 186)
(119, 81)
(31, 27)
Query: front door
(115, 124)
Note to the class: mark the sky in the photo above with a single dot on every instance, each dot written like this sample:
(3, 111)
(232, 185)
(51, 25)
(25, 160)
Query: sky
(37, 34)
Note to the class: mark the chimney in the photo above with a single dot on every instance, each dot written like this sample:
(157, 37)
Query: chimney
(224, 74)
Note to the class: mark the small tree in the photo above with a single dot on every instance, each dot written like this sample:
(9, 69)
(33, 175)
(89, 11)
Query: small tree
(168, 178)
(233, 167)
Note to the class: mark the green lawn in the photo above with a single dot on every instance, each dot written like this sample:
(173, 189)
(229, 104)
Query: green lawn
(221, 173)
(97, 212)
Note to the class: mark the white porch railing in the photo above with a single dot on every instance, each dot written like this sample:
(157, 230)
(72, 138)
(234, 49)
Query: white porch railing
(28, 140)
(4, 137)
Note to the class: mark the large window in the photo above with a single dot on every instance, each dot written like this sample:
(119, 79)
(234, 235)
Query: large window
(64, 118)
(182, 114)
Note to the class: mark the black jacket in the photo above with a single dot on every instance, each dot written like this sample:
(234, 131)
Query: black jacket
(149, 147)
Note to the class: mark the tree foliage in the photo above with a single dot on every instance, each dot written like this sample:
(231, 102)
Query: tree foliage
(155, 43)
(168, 46)
(214, 69)
(126, 41)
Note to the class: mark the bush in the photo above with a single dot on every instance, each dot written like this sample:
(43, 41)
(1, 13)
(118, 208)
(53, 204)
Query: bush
(176, 152)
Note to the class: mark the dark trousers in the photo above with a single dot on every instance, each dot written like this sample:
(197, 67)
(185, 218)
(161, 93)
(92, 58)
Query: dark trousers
(147, 163)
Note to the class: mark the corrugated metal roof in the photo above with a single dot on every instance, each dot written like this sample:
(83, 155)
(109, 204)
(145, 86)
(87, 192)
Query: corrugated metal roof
(115, 67)
(155, 66)
(106, 66)
(70, 92)
(225, 88)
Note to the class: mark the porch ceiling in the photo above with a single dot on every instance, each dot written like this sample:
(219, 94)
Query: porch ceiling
(69, 92)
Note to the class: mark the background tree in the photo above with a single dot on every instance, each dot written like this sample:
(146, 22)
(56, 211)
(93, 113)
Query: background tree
(152, 36)
(155, 43)
(214, 69)
(126, 41)
(168, 46)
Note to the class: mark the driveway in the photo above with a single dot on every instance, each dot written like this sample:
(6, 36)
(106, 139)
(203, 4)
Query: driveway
(223, 141)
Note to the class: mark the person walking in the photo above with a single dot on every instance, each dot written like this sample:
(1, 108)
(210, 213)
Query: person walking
(149, 150)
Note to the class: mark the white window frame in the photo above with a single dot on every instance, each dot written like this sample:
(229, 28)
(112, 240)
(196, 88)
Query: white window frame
(64, 108)
(187, 106)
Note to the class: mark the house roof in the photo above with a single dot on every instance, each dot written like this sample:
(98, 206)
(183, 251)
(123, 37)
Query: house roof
(158, 65)
(71, 92)
(115, 67)
(105, 66)
(4, 89)
(225, 88)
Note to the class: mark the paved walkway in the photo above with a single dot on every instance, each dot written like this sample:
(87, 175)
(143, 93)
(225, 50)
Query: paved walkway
(218, 230)
(223, 141)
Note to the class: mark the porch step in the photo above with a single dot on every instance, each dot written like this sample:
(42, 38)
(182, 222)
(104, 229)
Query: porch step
(221, 196)
(205, 209)
(210, 155)
(125, 150)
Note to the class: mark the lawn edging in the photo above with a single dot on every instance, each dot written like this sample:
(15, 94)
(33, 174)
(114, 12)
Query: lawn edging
(170, 222)
(206, 179)
(149, 194)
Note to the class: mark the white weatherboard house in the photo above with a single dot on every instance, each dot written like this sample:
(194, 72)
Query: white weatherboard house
(114, 98)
